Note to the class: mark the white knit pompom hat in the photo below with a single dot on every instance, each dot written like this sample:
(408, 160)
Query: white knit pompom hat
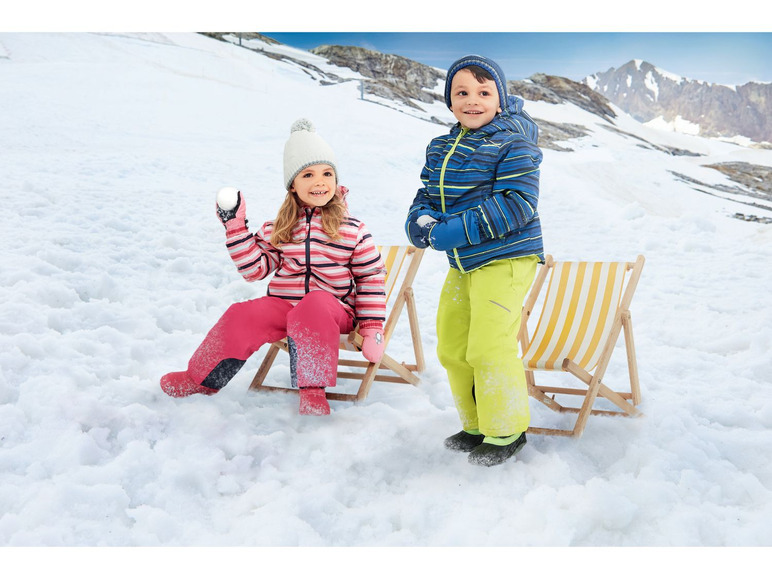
(303, 149)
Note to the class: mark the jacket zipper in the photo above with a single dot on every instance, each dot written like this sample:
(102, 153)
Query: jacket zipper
(309, 215)
(463, 132)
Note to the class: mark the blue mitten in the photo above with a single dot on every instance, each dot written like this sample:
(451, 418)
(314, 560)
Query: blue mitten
(417, 235)
(419, 224)
(451, 233)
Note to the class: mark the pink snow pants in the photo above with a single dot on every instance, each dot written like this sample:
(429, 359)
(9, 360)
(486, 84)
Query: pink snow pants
(313, 328)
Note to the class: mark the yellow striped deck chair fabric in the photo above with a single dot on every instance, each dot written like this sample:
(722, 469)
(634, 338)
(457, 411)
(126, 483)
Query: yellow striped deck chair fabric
(393, 257)
(577, 316)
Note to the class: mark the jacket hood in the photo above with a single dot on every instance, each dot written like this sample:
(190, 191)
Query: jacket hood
(514, 105)
(485, 63)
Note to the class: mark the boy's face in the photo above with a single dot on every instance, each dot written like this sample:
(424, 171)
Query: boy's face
(474, 103)
(315, 185)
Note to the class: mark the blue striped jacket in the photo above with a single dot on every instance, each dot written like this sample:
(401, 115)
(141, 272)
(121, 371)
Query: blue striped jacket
(486, 183)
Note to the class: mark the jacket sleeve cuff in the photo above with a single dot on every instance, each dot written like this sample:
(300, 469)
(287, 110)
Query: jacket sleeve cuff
(371, 325)
(235, 227)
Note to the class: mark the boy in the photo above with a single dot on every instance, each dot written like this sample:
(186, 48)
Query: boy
(478, 204)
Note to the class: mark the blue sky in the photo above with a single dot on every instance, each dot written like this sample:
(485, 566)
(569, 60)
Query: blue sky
(714, 41)
(723, 57)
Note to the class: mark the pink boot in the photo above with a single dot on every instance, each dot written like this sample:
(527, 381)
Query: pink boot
(179, 384)
(313, 401)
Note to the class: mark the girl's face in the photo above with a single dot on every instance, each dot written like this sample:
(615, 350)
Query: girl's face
(315, 185)
(474, 103)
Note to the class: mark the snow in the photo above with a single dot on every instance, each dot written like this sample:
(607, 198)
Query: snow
(678, 124)
(650, 83)
(114, 268)
(676, 78)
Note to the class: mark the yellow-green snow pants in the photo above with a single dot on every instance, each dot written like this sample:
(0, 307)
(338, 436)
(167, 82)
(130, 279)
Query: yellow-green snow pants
(478, 319)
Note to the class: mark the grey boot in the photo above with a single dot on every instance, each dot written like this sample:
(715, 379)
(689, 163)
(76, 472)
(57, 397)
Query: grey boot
(464, 441)
(488, 454)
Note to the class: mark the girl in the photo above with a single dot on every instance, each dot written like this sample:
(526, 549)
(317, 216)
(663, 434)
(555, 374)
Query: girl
(328, 278)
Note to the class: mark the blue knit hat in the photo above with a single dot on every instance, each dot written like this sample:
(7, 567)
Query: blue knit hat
(484, 63)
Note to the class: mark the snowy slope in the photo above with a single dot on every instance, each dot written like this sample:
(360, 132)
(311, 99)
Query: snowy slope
(113, 269)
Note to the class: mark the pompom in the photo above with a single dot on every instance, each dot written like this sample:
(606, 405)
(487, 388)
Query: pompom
(302, 125)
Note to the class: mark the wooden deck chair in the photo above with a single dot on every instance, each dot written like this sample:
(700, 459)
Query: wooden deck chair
(586, 306)
(401, 267)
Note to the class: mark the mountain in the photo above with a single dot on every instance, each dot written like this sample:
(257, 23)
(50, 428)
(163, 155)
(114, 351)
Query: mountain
(401, 80)
(416, 89)
(557, 89)
(650, 94)
(388, 75)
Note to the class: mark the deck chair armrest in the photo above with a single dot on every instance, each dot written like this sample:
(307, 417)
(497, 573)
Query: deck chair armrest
(355, 338)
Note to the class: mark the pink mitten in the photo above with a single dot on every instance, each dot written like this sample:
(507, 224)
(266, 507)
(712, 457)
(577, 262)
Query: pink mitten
(372, 344)
(231, 208)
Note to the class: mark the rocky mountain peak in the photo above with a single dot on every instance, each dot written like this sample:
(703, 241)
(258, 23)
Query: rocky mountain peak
(389, 75)
(557, 89)
(713, 110)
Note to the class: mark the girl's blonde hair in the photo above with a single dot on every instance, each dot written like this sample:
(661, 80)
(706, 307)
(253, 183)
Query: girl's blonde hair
(333, 214)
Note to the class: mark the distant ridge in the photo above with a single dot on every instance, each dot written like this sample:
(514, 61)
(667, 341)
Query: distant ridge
(638, 88)
(648, 94)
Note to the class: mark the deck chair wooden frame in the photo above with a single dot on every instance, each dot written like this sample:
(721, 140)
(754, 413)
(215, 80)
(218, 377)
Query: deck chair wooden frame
(401, 262)
(586, 307)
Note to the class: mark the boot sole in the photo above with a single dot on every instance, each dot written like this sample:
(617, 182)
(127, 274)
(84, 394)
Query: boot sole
(494, 458)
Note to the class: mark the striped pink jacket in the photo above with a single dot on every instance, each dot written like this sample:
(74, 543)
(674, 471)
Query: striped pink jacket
(350, 267)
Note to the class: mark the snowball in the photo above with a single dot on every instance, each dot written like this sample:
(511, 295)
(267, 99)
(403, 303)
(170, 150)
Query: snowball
(227, 197)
